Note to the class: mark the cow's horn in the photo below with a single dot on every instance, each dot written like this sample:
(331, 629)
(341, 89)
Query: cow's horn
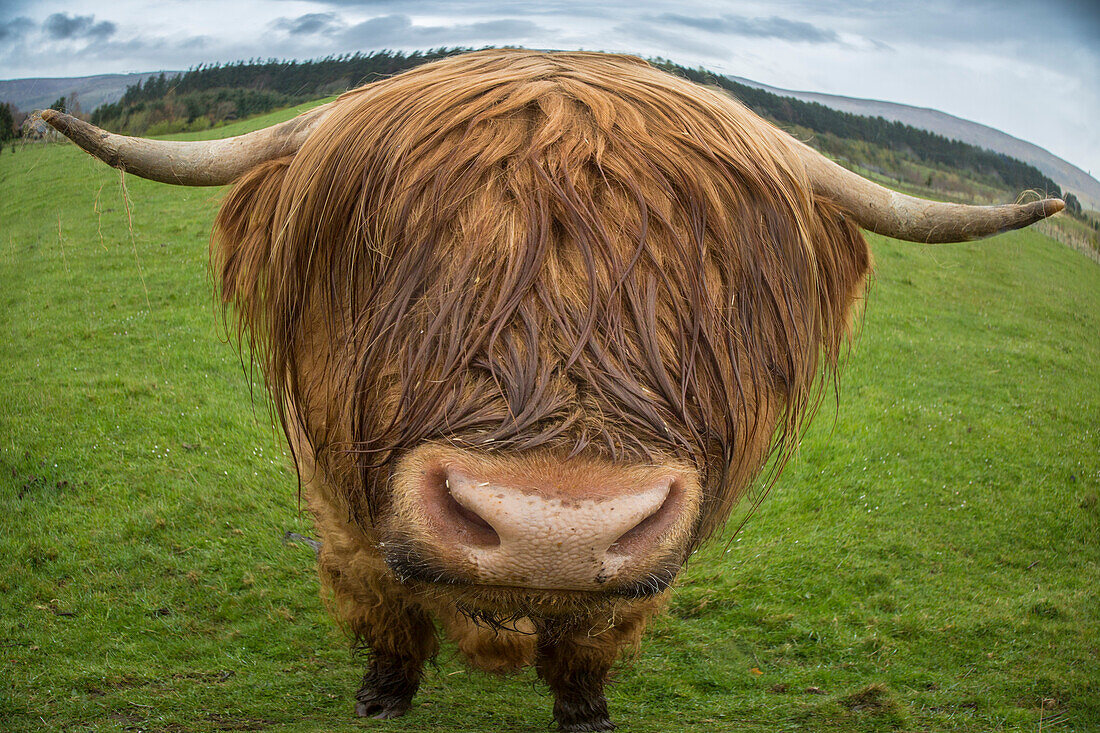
(896, 215)
(205, 163)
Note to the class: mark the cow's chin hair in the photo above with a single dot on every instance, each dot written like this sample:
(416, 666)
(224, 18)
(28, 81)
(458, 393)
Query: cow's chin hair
(498, 605)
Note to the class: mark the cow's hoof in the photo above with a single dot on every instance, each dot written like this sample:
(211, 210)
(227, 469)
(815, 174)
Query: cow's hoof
(387, 689)
(381, 708)
(583, 718)
(584, 726)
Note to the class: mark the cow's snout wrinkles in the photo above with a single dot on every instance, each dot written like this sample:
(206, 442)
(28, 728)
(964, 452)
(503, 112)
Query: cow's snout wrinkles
(545, 526)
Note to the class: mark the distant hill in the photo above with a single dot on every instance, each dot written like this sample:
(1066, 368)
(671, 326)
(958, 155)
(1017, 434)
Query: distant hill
(1065, 174)
(31, 94)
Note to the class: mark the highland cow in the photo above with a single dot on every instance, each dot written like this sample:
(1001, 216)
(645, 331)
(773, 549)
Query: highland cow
(532, 323)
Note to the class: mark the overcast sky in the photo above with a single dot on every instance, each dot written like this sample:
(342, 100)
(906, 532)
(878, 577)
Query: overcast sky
(1029, 68)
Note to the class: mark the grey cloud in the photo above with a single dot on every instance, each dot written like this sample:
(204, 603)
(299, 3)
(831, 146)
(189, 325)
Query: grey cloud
(364, 3)
(196, 42)
(466, 8)
(939, 22)
(379, 30)
(398, 30)
(131, 48)
(502, 28)
(670, 41)
(102, 29)
(15, 28)
(742, 25)
(308, 24)
(295, 40)
(62, 26)
(10, 7)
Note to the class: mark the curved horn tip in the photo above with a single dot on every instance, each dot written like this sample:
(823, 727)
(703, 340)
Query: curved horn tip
(66, 124)
(1052, 206)
(1037, 211)
(54, 118)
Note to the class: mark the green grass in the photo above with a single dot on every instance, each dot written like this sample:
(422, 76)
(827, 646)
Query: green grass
(929, 561)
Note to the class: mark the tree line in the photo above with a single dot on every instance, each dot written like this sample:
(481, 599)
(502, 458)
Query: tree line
(213, 93)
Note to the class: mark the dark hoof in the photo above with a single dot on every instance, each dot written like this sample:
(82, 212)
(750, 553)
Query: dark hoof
(380, 709)
(371, 702)
(589, 715)
(584, 726)
(387, 690)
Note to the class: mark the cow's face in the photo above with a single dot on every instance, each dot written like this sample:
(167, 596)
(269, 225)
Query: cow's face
(541, 329)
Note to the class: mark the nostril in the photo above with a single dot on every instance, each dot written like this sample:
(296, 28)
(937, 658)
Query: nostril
(480, 531)
(452, 518)
(649, 530)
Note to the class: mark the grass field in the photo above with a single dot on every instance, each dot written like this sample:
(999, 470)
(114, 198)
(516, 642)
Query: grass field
(929, 561)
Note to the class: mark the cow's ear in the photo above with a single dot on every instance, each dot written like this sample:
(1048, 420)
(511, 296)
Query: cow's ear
(843, 268)
(244, 233)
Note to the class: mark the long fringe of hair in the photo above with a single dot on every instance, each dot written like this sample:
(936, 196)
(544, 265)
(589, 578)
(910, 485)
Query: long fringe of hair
(510, 250)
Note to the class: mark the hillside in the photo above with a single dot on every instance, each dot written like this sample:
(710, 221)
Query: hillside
(31, 94)
(1065, 174)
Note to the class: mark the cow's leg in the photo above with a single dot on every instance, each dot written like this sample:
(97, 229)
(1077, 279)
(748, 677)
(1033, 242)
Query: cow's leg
(399, 640)
(363, 597)
(576, 667)
(397, 634)
(574, 658)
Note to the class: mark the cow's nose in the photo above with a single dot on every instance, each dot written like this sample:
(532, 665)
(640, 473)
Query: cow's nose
(542, 534)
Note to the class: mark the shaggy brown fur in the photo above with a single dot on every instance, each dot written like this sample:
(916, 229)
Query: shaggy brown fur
(511, 250)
